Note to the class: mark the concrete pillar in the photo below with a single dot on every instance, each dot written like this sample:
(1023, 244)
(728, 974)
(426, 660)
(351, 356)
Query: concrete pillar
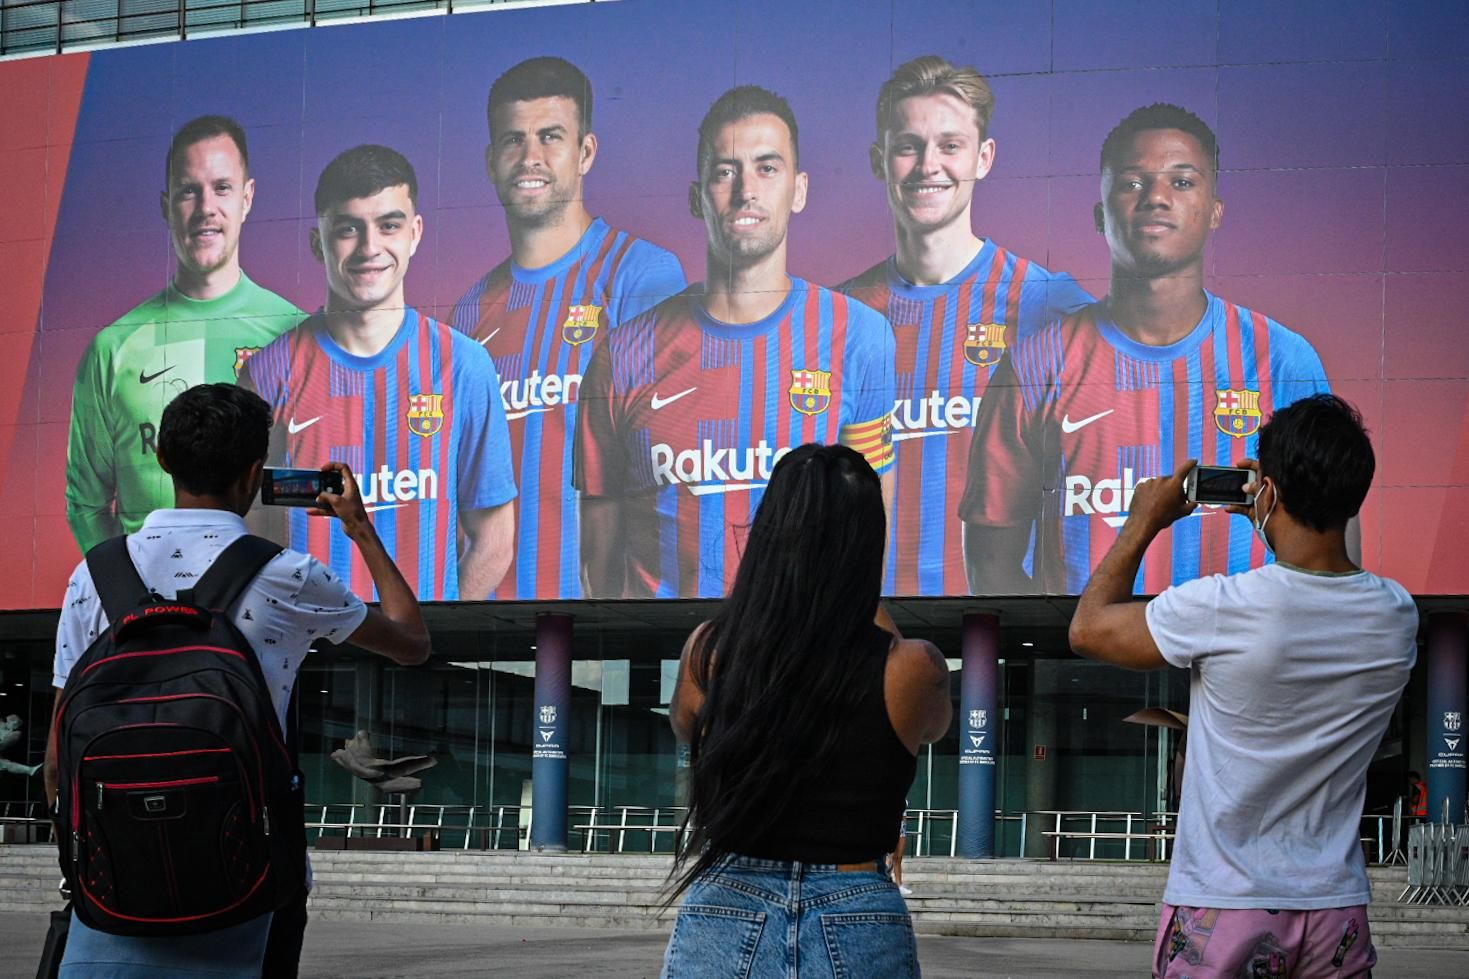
(549, 766)
(979, 725)
(1448, 657)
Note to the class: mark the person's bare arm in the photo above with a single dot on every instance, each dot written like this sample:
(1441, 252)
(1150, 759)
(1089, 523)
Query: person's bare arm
(994, 558)
(603, 555)
(397, 630)
(491, 543)
(916, 689)
(50, 774)
(1109, 625)
(688, 698)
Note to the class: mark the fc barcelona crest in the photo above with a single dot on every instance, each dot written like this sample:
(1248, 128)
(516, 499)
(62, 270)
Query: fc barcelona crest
(425, 414)
(1237, 413)
(985, 344)
(243, 354)
(581, 323)
(810, 391)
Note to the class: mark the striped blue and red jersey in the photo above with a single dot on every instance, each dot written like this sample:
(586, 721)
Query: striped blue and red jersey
(950, 337)
(419, 422)
(540, 326)
(683, 417)
(1081, 412)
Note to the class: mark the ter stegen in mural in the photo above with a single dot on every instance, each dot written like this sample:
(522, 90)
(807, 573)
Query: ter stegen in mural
(1126, 389)
(201, 329)
(412, 406)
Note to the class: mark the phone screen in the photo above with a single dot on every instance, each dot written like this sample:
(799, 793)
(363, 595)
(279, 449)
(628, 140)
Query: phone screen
(1219, 484)
(297, 487)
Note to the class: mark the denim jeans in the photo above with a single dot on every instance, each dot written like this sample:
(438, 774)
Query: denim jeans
(776, 919)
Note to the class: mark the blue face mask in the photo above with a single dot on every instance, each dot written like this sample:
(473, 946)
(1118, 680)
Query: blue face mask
(1260, 524)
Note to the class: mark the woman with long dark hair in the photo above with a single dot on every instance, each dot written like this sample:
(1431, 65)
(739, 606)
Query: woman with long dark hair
(804, 720)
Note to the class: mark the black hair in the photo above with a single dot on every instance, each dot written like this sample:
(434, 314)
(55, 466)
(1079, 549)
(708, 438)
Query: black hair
(741, 103)
(211, 435)
(361, 172)
(543, 78)
(1159, 115)
(801, 606)
(1321, 459)
(200, 129)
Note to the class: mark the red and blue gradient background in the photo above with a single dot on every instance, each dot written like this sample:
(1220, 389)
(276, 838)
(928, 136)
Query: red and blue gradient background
(1345, 163)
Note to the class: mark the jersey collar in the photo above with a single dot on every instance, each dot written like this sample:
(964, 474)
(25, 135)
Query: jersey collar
(1112, 333)
(174, 519)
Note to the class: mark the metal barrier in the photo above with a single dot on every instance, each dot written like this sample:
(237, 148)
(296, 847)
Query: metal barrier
(1438, 864)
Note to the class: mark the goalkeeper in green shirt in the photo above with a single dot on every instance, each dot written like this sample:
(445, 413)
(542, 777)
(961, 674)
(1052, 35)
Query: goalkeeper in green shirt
(199, 330)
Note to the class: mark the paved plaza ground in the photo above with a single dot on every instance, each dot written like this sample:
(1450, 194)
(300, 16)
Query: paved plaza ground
(377, 951)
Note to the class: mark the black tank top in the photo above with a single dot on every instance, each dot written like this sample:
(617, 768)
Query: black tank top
(849, 810)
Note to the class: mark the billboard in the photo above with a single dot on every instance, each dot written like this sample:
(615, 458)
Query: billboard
(561, 338)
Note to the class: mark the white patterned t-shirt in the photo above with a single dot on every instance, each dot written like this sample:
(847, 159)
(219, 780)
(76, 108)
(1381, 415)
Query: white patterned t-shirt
(294, 601)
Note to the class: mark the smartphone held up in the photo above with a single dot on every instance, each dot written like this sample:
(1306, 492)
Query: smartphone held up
(1219, 485)
(298, 487)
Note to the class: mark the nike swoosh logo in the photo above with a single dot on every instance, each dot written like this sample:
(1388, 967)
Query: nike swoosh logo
(383, 506)
(486, 341)
(145, 378)
(293, 428)
(1068, 426)
(658, 402)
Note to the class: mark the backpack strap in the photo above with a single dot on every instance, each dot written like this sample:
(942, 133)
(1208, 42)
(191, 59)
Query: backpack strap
(116, 578)
(231, 572)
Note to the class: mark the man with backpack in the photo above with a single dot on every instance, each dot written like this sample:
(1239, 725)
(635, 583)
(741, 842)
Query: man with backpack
(170, 736)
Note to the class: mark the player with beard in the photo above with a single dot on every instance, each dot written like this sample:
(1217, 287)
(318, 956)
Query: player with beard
(1159, 370)
(199, 330)
(569, 279)
(685, 409)
(409, 404)
(956, 303)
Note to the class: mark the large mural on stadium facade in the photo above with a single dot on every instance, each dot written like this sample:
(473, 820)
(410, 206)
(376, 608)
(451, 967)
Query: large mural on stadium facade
(561, 284)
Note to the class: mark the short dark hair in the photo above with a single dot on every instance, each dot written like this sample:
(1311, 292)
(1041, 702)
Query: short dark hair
(197, 131)
(1159, 115)
(1321, 459)
(741, 103)
(361, 172)
(545, 77)
(211, 435)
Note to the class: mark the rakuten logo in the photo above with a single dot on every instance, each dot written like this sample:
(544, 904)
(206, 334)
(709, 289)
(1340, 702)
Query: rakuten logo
(1107, 496)
(933, 415)
(387, 489)
(710, 470)
(539, 392)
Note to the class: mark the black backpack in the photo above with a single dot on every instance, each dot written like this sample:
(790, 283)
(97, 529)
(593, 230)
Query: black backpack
(180, 807)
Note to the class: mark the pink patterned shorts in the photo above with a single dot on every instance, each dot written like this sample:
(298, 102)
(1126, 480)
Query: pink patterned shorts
(1214, 943)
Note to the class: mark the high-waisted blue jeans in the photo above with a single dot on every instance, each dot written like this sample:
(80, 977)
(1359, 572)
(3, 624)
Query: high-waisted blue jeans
(775, 919)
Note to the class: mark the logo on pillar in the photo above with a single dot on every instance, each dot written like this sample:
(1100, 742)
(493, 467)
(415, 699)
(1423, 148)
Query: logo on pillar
(1452, 720)
(548, 714)
(546, 735)
(1453, 743)
(977, 718)
(977, 740)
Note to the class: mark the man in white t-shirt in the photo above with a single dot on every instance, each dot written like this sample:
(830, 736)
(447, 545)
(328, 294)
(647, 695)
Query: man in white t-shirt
(1295, 669)
(212, 441)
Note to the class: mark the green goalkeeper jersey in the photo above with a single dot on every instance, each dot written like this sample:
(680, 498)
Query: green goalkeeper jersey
(128, 375)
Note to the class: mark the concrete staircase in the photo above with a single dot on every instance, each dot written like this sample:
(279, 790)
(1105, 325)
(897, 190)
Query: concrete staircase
(997, 898)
